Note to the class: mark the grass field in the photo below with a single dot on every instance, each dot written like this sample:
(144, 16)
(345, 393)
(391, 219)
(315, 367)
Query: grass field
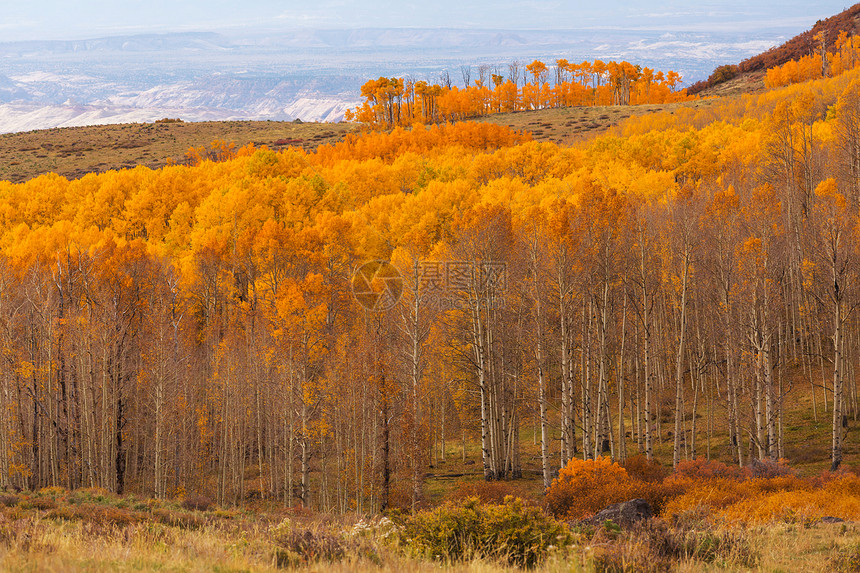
(90, 530)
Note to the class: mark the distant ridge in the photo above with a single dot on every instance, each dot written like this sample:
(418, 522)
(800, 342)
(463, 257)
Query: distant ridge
(125, 43)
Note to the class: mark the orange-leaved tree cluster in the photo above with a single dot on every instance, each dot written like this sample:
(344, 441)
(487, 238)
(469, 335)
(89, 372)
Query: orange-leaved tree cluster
(824, 61)
(397, 101)
(321, 328)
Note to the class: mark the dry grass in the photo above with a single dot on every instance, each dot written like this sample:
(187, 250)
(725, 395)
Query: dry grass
(744, 83)
(90, 539)
(569, 125)
(76, 151)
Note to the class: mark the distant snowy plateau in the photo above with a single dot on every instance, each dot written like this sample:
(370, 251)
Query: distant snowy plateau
(313, 75)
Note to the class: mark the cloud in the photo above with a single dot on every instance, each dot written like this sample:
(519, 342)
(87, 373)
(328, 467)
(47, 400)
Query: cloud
(50, 19)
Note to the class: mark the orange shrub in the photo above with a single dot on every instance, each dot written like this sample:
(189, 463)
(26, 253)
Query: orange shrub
(585, 487)
(769, 468)
(703, 469)
(712, 494)
(101, 514)
(779, 483)
(658, 494)
(638, 467)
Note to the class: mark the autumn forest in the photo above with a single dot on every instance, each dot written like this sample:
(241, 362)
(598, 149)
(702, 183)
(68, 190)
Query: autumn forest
(322, 328)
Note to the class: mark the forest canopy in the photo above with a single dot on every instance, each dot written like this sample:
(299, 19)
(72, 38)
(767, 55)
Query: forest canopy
(165, 330)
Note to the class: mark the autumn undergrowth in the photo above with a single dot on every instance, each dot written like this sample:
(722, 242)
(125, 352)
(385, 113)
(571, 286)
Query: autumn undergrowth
(709, 517)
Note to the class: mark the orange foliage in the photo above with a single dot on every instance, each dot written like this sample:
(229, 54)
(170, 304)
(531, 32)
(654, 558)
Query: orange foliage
(763, 493)
(640, 468)
(704, 469)
(396, 101)
(584, 487)
(844, 56)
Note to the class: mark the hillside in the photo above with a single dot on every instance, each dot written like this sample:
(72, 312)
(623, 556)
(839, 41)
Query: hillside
(448, 345)
(806, 42)
(748, 75)
(574, 125)
(75, 151)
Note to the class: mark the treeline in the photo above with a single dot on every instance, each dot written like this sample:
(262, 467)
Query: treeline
(404, 101)
(196, 329)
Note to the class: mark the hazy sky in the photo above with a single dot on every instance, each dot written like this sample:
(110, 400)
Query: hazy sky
(77, 19)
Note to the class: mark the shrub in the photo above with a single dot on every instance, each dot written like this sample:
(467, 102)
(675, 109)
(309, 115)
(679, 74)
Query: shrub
(298, 548)
(846, 560)
(520, 534)
(43, 503)
(9, 500)
(91, 495)
(197, 502)
(658, 494)
(713, 495)
(654, 546)
(770, 469)
(703, 469)
(731, 546)
(723, 74)
(640, 468)
(180, 519)
(100, 514)
(52, 491)
(485, 491)
(584, 487)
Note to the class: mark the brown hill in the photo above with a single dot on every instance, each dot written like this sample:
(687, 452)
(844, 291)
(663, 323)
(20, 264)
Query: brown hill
(76, 151)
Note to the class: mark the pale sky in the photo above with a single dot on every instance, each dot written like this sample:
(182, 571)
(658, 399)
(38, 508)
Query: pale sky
(79, 19)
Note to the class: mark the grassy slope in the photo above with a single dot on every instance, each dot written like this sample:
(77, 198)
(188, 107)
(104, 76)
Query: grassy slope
(570, 125)
(76, 151)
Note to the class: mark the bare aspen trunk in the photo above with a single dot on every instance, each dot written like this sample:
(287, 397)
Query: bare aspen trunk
(542, 404)
(838, 398)
(159, 407)
(646, 348)
(306, 457)
(567, 444)
(386, 453)
(622, 439)
(585, 384)
(679, 363)
(603, 442)
(758, 406)
(770, 413)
